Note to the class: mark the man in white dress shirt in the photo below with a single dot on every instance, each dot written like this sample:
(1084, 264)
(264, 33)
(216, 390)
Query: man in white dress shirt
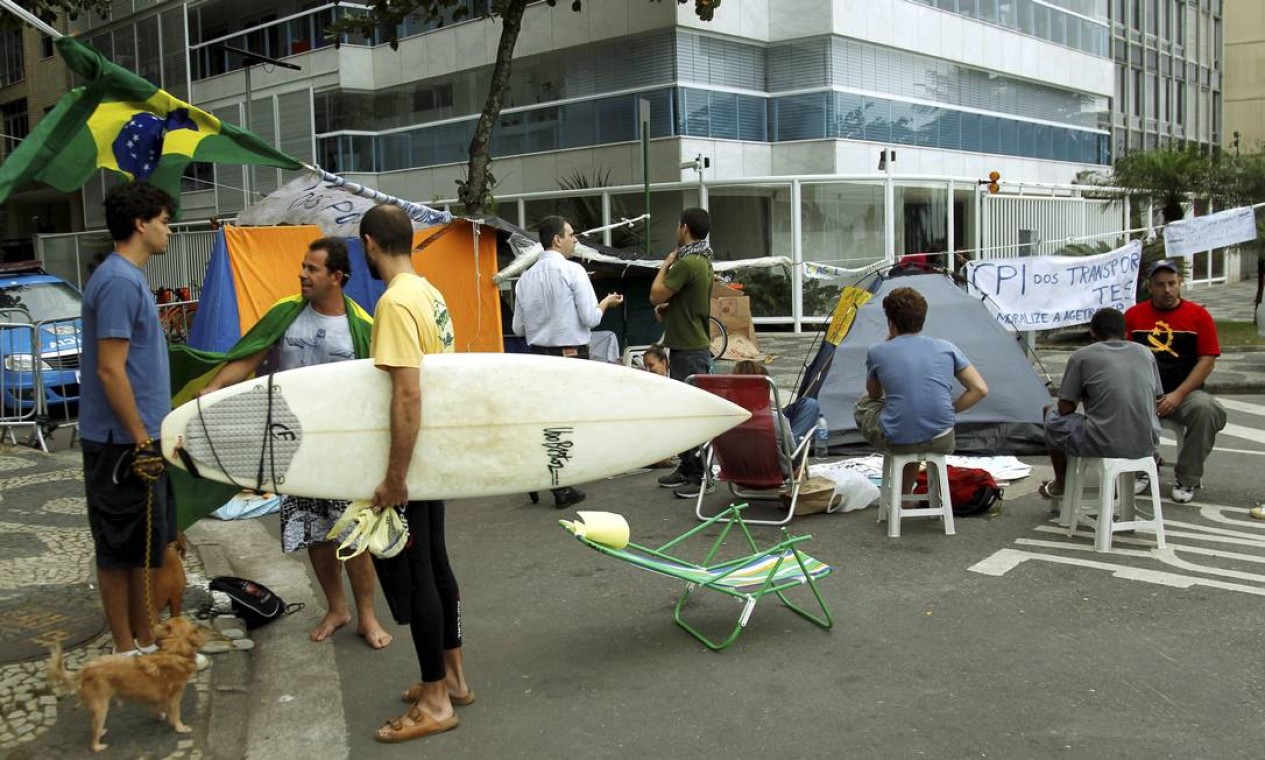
(556, 308)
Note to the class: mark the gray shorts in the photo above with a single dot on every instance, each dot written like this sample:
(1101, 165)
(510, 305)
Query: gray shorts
(1066, 433)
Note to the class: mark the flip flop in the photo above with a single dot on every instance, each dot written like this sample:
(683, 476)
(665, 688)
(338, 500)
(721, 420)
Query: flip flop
(1047, 493)
(413, 725)
(414, 693)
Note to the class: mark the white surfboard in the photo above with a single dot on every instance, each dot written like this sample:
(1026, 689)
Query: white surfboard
(491, 424)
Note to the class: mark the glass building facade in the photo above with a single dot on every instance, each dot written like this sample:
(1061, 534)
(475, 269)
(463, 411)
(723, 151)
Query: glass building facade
(703, 86)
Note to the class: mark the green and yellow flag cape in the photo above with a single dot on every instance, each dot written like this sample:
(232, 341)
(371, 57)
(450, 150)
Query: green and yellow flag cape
(192, 369)
(122, 122)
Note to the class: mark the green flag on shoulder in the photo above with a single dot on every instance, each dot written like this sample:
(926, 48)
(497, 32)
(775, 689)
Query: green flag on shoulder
(192, 370)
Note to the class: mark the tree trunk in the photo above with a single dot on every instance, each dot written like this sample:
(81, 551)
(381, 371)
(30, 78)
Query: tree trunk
(475, 193)
(1172, 212)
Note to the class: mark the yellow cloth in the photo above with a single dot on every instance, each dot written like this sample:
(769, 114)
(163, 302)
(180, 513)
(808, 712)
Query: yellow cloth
(411, 319)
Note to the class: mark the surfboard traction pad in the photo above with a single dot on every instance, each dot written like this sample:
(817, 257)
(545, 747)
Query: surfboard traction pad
(230, 436)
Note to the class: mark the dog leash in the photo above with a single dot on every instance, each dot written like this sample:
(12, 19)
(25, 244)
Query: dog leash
(148, 464)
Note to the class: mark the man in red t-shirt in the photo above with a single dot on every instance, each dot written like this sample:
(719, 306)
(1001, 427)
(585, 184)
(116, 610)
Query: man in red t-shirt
(1183, 339)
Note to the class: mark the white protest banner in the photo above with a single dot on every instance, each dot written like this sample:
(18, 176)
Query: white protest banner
(1045, 292)
(312, 200)
(1203, 233)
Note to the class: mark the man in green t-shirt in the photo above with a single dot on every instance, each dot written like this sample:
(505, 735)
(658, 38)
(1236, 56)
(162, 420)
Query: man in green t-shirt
(681, 294)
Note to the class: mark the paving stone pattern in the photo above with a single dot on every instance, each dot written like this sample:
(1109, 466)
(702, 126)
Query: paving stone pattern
(44, 542)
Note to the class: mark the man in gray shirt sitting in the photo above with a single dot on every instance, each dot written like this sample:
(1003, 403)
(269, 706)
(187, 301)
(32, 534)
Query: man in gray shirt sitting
(1117, 381)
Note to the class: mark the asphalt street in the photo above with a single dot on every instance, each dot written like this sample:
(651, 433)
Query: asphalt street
(1008, 640)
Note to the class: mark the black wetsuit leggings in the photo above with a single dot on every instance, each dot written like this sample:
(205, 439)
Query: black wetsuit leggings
(435, 600)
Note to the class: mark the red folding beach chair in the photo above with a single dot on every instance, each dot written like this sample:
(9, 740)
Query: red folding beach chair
(758, 459)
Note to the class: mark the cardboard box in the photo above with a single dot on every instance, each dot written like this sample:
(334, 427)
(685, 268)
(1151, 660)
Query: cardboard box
(733, 310)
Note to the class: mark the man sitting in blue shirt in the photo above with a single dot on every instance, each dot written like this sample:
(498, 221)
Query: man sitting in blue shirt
(909, 404)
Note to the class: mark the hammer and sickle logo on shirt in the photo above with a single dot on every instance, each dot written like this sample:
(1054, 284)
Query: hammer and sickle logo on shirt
(1161, 338)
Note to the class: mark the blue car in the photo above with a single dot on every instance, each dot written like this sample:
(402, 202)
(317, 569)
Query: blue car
(33, 302)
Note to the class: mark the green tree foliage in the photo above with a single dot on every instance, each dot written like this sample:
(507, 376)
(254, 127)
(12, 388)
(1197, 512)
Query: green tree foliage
(585, 212)
(49, 10)
(386, 16)
(1166, 177)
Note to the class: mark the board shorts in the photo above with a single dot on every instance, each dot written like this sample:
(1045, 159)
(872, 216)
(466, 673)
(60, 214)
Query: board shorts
(305, 521)
(117, 502)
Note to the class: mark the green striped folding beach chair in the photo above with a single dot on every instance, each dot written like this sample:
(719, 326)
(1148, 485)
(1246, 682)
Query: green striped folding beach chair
(746, 579)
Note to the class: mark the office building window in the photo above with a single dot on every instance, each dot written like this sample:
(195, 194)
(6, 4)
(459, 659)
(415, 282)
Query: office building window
(12, 61)
(1045, 19)
(16, 124)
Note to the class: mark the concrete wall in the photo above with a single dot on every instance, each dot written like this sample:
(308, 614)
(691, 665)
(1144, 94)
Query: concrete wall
(1244, 26)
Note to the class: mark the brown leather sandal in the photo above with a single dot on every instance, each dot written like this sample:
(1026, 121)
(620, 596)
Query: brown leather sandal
(414, 693)
(413, 725)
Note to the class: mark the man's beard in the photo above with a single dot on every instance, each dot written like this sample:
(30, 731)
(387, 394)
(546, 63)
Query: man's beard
(373, 268)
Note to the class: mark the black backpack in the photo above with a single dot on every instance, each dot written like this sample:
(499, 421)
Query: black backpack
(253, 602)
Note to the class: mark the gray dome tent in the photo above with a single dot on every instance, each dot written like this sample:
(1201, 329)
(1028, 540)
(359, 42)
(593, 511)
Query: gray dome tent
(1008, 421)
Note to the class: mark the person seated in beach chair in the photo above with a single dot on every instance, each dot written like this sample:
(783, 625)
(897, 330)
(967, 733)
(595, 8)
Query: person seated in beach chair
(799, 416)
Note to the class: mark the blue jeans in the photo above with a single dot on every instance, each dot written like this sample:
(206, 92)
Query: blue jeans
(802, 415)
(681, 364)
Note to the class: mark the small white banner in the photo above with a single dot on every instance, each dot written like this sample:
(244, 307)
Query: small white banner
(1203, 233)
(1045, 292)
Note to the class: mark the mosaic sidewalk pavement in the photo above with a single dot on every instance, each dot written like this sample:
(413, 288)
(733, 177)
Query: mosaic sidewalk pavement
(46, 550)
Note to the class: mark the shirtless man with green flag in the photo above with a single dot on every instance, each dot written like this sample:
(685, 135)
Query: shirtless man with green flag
(318, 326)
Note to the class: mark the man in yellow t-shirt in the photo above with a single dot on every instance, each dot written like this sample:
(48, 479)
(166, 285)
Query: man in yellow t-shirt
(411, 320)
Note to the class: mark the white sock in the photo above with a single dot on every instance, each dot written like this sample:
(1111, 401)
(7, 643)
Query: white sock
(147, 650)
(128, 653)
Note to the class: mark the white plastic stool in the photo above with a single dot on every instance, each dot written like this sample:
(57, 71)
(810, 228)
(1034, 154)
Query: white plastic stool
(892, 497)
(1115, 480)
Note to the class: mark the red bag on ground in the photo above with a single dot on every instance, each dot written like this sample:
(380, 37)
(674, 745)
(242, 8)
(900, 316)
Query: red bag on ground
(972, 491)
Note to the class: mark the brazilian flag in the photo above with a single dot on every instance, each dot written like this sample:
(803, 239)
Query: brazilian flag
(192, 370)
(121, 122)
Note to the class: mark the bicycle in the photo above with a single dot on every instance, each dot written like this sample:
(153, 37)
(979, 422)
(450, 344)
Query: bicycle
(176, 320)
(719, 336)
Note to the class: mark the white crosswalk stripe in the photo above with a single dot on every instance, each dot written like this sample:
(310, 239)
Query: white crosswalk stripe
(1228, 537)
(1245, 407)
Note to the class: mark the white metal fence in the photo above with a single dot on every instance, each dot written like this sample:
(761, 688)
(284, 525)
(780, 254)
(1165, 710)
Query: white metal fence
(849, 223)
(73, 256)
(1027, 225)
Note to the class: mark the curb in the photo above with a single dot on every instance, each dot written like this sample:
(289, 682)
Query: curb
(230, 680)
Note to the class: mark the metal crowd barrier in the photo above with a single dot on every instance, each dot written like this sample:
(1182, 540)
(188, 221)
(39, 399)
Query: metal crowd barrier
(39, 385)
(19, 381)
(60, 352)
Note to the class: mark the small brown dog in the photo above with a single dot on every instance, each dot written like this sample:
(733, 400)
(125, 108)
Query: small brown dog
(158, 679)
(169, 580)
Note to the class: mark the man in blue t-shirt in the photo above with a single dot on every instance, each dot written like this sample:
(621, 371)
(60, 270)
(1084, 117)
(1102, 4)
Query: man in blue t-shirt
(909, 404)
(125, 392)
